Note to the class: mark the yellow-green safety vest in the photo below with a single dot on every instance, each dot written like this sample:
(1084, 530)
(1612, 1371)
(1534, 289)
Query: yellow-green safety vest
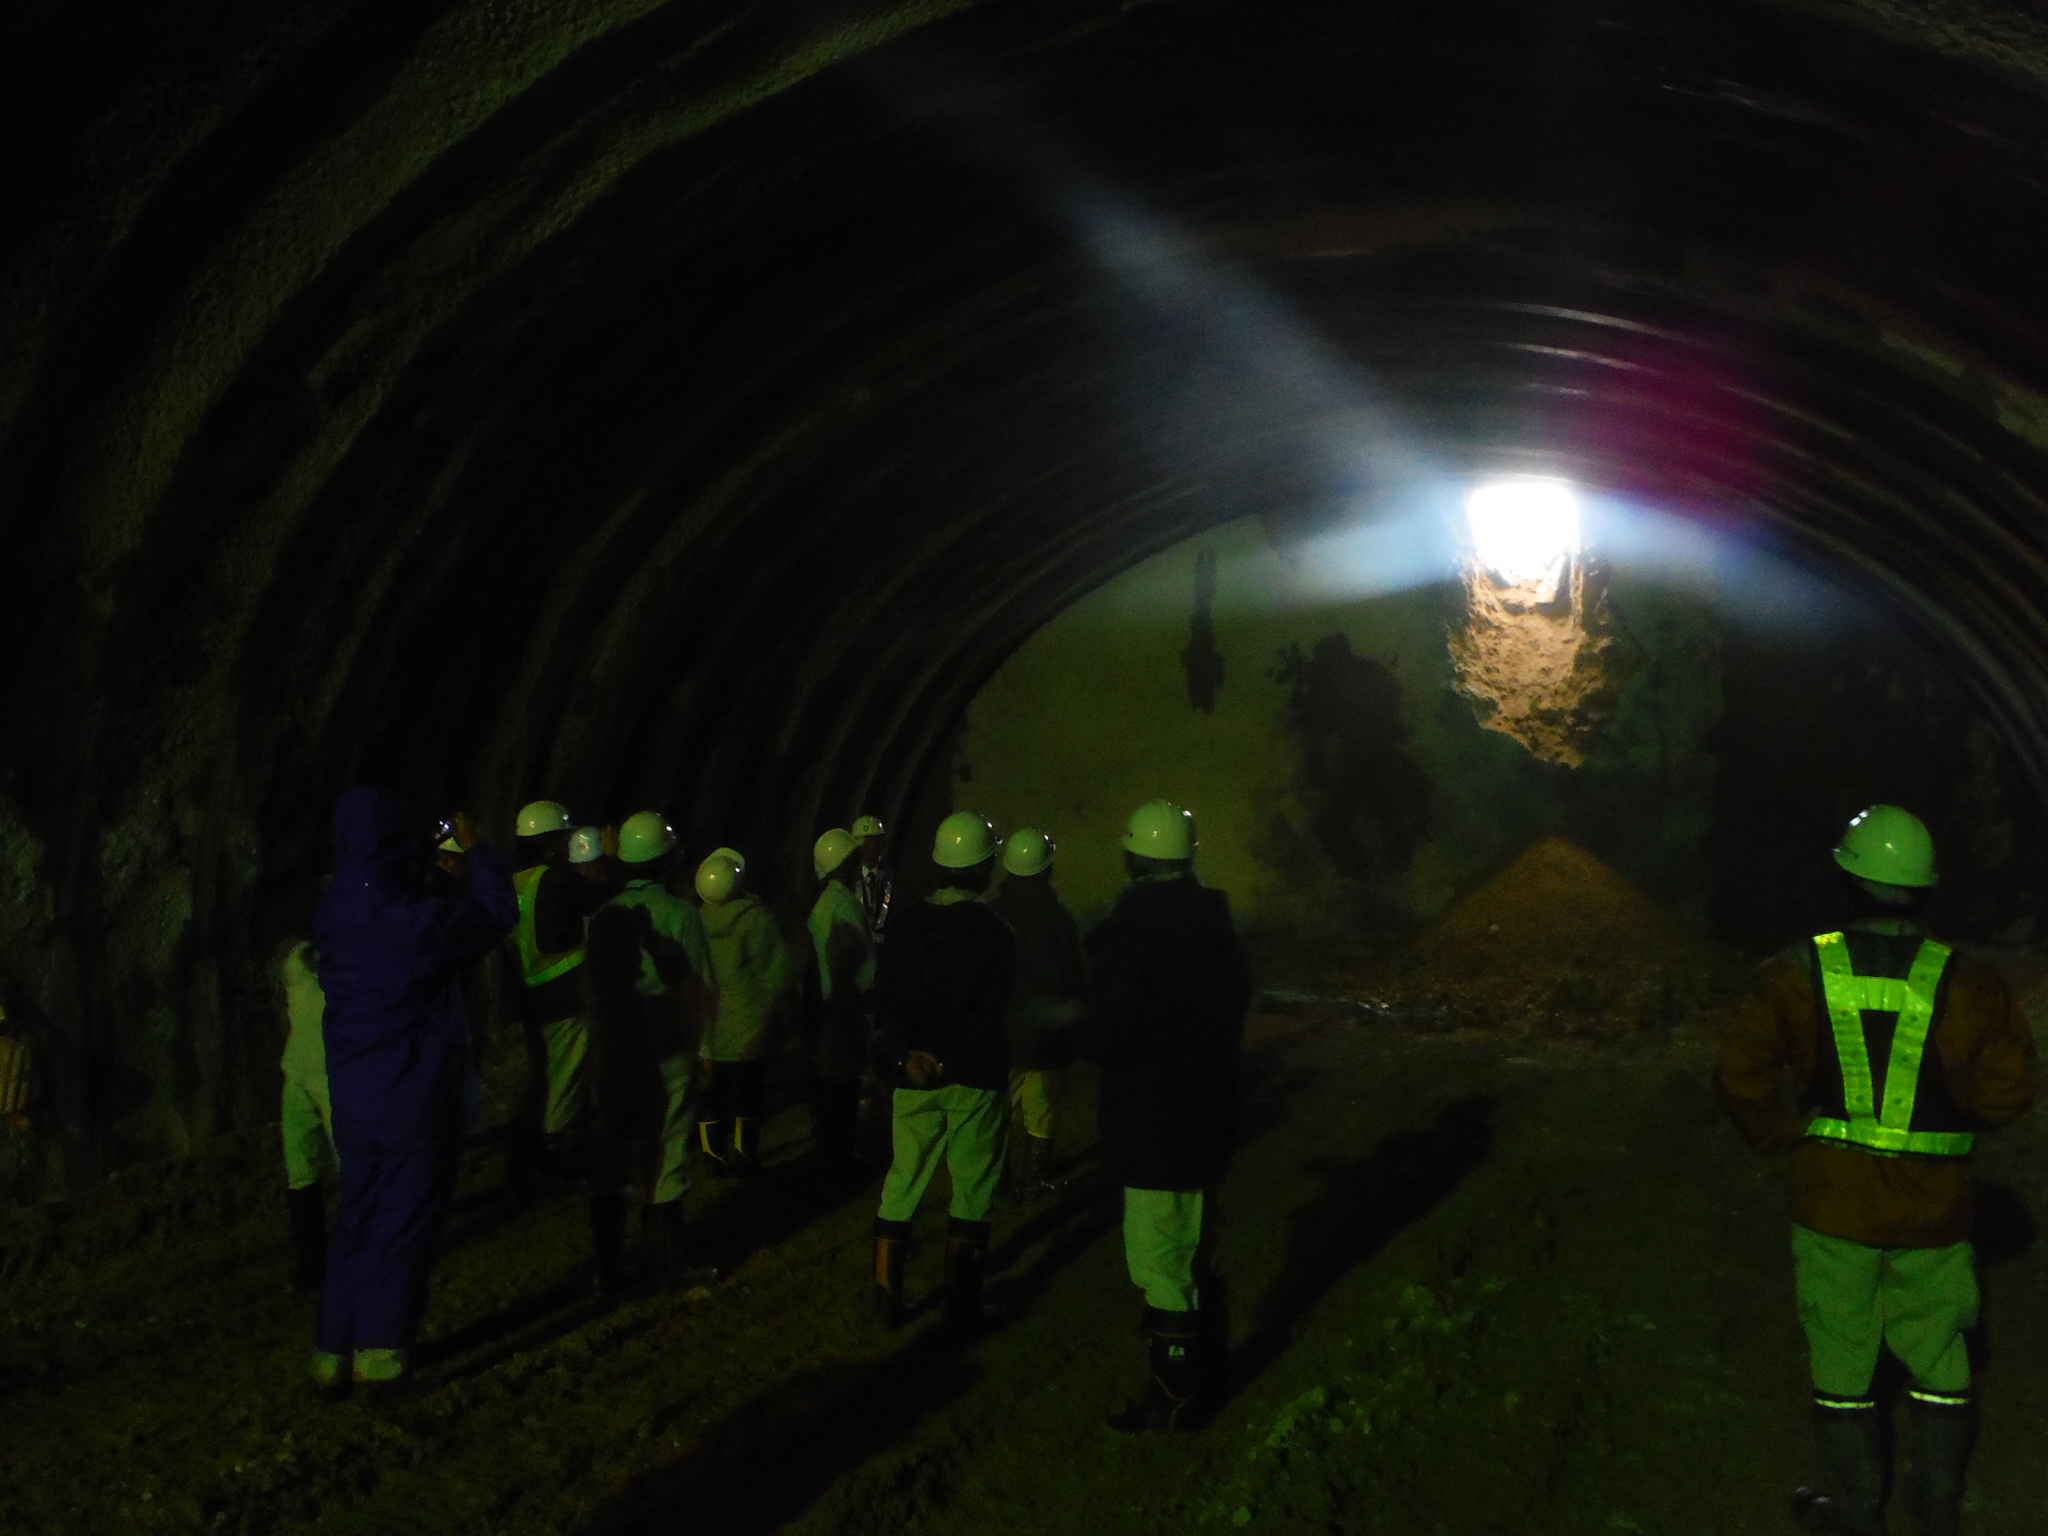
(534, 966)
(1884, 1128)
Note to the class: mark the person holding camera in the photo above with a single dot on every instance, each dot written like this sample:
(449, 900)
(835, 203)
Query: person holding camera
(942, 990)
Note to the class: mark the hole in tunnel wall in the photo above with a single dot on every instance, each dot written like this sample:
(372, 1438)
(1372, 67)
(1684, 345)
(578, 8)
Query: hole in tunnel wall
(1725, 723)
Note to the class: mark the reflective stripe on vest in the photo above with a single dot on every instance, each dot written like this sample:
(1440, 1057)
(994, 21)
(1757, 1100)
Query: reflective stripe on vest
(534, 966)
(1848, 996)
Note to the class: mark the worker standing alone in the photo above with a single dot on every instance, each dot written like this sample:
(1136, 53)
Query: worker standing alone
(1044, 1003)
(843, 952)
(648, 998)
(1897, 1052)
(753, 977)
(942, 986)
(1169, 989)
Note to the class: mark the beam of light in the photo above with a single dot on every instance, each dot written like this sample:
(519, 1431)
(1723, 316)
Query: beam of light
(1522, 528)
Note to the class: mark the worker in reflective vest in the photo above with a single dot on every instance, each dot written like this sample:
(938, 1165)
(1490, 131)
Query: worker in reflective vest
(547, 946)
(1898, 1053)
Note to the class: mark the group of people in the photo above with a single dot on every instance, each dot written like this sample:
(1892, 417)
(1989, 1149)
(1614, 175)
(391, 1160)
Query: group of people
(651, 1008)
(1872, 1053)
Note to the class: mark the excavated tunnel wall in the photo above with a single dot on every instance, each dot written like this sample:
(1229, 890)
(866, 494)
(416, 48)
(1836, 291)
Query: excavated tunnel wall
(696, 403)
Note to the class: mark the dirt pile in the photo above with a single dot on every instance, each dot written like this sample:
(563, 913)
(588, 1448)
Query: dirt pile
(1559, 942)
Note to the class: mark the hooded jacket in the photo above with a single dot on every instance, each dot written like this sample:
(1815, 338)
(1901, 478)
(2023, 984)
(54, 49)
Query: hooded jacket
(1051, 977)
(754, 977)
(392, 947)
(1165, 1021)
(942, 984)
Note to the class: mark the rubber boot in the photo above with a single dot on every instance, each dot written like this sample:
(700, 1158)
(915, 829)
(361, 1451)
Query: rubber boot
(712, 1141)
(668, 1246)
(966, 1260)
(892, 1251)
(383, 1377)
(608, 1242)
(1030, 1156)
(1175, 1376)
(1940, 1448)
(308, 1208)
(745, 1156)
(1850, 1441)
(331, 1376)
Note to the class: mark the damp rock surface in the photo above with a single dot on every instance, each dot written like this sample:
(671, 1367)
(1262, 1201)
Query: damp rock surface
(1470, 1289)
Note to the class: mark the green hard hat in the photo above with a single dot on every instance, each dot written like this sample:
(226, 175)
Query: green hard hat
(718, 877)
(1159, 829)
(965, 839)
(1889, 845)
(831, 850)
(1028, 851)
(645, 837)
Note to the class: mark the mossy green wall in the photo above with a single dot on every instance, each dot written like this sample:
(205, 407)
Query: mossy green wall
(1305, 810)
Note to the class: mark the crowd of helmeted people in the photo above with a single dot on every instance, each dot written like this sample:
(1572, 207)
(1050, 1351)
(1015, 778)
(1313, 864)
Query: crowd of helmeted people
(653, 994)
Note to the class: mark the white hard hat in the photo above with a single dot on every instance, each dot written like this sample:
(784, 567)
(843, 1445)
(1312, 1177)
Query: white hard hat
(865, 827)
(540, 816)
(1028, 851)
(586, 845)
(1889, 845)
(965, 839)
(831, 850)
(644, 837)
(718, 878)
(1159, 829)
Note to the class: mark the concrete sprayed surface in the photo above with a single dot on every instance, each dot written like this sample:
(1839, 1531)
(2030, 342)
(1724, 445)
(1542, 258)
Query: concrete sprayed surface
(1474, 1287)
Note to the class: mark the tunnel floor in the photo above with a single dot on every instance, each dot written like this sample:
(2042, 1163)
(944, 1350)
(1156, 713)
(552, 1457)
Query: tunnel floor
(1476, 1284)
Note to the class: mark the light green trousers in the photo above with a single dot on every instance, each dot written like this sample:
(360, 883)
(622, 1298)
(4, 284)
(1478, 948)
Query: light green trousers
(566, 1044)
(1853, 1298)
(1162, 1231)
(678, 1124)
(965, 1126)
(307, 1117)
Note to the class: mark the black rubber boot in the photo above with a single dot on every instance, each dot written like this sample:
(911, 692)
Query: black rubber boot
(1176, 1376)
(668, 1248)
(892, 1252)
(713, 1140)
(1850, 1441)
(745, 1156)
(1939, 1446)
(966, 1259)
(608, 1242)
(308, 1209)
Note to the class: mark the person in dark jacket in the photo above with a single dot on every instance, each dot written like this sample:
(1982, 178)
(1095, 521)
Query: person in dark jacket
(394, 936)
(942, 986)
(1045, 1002)
(1165, 1022)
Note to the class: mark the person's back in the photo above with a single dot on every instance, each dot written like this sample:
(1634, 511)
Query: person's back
(942, 986)
(1044, 1004)
(750, 965)
(1166, 1013)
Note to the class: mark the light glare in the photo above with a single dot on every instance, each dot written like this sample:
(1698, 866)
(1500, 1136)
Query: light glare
(1521, 529)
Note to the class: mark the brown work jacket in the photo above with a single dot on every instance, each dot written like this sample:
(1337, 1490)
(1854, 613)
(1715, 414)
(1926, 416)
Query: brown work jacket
(1985, 1049)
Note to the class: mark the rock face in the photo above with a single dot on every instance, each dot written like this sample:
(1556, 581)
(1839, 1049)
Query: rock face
(1537, 660)
(694, 405)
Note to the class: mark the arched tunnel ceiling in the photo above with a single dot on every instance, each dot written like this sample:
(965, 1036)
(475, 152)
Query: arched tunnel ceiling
(696, 402)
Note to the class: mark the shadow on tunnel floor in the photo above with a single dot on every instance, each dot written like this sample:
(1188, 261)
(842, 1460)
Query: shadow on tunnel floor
(771, 1459)
(1363, 1204)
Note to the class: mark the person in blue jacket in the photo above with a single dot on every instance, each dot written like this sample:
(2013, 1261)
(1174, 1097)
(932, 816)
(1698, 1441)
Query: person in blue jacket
(394, 935)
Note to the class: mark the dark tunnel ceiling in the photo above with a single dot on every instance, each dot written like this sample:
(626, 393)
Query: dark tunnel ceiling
(696, 402)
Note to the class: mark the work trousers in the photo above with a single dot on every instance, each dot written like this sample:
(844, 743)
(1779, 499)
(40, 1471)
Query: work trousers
(558, 1075)
(393, 1203)
(658, 1165)
(1167, 1236)
(965, 1126)
(734, 1090)
(1853, 1298)
(306, 1117)
(1037, 1096)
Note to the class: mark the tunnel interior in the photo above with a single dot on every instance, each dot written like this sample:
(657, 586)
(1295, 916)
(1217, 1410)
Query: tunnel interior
(735, 409)
(697, 409)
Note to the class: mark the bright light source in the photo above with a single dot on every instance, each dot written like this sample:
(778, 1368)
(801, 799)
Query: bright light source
(1522, 528)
